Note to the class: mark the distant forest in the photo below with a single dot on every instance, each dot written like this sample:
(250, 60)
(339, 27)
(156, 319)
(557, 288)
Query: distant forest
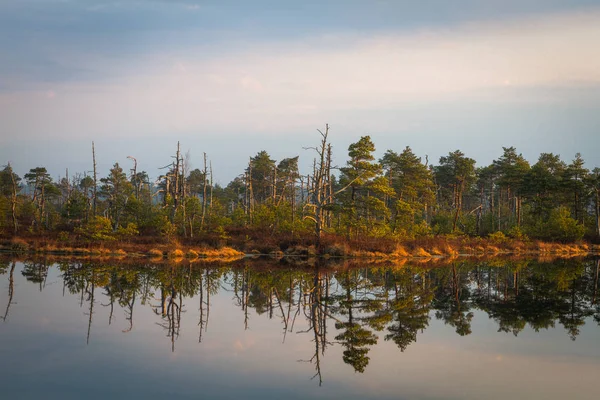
(398, 196)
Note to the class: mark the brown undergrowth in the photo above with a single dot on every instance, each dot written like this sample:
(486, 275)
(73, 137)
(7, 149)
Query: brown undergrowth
(332, 246)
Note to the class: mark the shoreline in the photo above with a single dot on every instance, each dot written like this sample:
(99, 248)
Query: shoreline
(423, 249)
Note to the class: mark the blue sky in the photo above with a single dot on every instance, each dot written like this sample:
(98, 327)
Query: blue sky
(231, 78)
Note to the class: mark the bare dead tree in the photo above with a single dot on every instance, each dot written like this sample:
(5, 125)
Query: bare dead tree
(91, 309)
(11, 290)
(204, 176)
(210, 187)
(135, 177)
(13, 200)
(250, 192)
(320, 196)
(94, 195)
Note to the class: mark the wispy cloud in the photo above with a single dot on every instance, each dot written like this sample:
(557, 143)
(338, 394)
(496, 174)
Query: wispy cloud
(273, 86)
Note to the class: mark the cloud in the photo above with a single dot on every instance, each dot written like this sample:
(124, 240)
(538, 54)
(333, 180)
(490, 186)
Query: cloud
(275, 86)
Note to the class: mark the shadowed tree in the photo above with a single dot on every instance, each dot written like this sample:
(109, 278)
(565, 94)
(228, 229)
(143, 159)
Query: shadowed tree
(9, 188)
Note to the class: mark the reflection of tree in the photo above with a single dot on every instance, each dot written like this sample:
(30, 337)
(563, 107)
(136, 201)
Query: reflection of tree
(171, 303)
(501, 300)
(11, 290)
(595, 301)
(574, 316)
(537, 294)
(396, 302)
(128, 286)
(90, 293)
(36, 272)
(355, 338)
(241, 290)
(209, 284)
(201, 320)
(451, 301)
(410, 308)
(316, 314)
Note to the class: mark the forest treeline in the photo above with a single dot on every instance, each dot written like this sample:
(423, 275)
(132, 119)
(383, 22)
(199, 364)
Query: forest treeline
(398, 196)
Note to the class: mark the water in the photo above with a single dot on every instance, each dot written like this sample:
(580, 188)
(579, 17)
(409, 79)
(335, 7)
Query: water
(267, 329)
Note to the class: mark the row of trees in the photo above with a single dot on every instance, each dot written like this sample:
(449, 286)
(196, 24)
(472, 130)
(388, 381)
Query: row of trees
(398, 195)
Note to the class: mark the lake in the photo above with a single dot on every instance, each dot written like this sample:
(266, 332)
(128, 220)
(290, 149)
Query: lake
(256, 329)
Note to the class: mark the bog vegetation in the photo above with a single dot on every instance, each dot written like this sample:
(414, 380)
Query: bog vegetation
(272, 204)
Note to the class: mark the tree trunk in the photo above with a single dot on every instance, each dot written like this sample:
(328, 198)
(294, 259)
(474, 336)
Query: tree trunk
(210, 190)
(13, 201)
(203, 195)
(598, 212)
(94, 198)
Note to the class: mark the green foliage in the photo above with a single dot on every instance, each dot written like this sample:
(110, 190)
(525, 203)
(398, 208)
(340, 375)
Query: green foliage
(544, 184)
(422, 229)
(129, 231)
(261, 171)
(63, 237)
(222, 233)
(454, 175)
(7, 177)
(398, 196)
(517, 233)
(441, 223)
(559, 226)
(117, 189)
(468, 224)
(168, 229)
(4, 212)
(97, 229)
(498, 237)
(511, 170)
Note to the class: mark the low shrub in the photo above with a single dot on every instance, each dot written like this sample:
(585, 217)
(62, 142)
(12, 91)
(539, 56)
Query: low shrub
(18, 244)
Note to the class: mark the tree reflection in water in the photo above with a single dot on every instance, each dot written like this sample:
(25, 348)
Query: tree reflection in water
(362, 303)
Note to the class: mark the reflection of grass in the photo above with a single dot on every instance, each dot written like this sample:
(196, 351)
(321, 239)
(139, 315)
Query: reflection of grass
(420, 252)
(177, 253)
(81, 250)
(155, 253)
(333, 246)
(492, 249)
(436, 252)
(191, 254)
(557, 248)
(400, 252)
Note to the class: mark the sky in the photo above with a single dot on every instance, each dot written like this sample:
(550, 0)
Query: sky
(232, 78)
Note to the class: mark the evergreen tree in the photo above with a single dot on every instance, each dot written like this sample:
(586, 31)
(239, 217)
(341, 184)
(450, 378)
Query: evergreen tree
(364, 204)
(116, 189)
(414, 189)
(511, 170)
(454, 176)
(576, 194)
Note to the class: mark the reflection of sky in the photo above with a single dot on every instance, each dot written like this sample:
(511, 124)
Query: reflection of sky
(44, 353)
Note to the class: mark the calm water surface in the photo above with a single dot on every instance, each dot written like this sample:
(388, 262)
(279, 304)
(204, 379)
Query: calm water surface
(260, 329)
